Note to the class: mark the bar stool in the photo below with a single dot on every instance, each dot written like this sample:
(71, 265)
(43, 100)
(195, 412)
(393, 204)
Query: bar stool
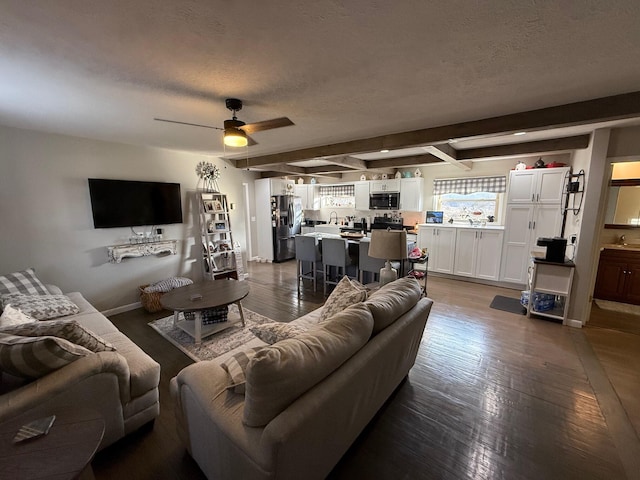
(367, 263)
(307, 251)
(335, 253)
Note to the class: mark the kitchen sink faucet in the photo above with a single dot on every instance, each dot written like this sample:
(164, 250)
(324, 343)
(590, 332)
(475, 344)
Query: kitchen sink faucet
(331, 216)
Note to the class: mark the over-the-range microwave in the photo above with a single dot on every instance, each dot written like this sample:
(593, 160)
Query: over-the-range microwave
(384, 201)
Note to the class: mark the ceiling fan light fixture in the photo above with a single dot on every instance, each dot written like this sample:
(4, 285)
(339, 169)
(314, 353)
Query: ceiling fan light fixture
(234, 137)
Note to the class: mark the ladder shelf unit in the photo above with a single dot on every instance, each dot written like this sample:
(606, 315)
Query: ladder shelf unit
(218, 248)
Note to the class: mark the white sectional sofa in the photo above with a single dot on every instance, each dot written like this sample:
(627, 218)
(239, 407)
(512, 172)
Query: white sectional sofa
(121, 385)
(307, 397)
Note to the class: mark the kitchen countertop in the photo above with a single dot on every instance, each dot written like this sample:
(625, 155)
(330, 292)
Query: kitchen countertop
(462, 225)
(634, 247)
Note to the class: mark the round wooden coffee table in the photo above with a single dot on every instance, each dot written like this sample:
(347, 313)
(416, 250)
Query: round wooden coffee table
(202, 296)
(65, 452)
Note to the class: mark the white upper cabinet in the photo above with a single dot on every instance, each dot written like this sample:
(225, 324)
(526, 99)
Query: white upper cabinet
(537, 185)
(384, 186)
(362, 195)
(308, 194)
(411, 194)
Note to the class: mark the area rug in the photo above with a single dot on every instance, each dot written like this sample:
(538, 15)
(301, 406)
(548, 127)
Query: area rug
(508, 304)
(618, 307)
(214, 345)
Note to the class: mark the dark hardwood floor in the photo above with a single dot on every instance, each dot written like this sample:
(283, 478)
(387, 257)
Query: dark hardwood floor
(493, 395)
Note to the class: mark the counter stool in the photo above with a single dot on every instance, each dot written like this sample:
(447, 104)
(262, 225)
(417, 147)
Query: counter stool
(307, 251)
(335, 253)
(367, 263)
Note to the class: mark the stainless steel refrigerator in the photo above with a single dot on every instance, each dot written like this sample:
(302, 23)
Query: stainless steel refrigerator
(286, 218)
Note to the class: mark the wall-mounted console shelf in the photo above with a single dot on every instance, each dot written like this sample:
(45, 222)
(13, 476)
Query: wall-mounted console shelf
(118, 252)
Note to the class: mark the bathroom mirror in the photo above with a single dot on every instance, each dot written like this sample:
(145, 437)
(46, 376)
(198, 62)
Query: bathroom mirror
(623, 204)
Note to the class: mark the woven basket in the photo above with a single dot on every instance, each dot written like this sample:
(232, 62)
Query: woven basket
(210, 316)
(150, 300)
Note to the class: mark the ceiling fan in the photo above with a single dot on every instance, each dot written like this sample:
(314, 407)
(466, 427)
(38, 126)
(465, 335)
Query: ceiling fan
(236, 132)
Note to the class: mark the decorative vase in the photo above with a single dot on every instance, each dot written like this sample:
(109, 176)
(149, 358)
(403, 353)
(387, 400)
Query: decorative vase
(211, 186)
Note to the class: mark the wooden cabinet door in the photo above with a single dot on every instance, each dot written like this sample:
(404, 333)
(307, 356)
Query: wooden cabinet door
(610, 282)
(632, 287)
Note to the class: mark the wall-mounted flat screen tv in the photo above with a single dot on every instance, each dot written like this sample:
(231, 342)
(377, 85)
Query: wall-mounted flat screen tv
(129, 203)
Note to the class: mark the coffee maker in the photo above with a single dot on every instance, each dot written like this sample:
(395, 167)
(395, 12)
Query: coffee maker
(556, 248)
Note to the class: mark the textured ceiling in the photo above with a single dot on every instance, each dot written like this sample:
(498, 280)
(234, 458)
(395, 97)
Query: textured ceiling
(341, 70)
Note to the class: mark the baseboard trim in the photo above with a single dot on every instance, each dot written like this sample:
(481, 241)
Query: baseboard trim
(573, 323)
(121, 309)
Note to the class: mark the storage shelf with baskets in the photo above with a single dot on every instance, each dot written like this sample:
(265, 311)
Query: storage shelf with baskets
(218, 255)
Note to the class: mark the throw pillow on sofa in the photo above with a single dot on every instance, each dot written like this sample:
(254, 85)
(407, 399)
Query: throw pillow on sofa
(236, 368)
(69, 330)
(41, 307)
(22, 282)
(346, 293)
(280, 373)
(12, 316)
(393, 300)
(34, 357)
(274, 332)
(168, 284)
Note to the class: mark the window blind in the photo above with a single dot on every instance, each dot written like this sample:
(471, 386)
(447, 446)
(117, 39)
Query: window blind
(464, 186)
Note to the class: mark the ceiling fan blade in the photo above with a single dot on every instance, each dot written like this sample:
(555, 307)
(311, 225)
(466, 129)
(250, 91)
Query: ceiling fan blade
(267, 125)
(186, 123)
(251, 141)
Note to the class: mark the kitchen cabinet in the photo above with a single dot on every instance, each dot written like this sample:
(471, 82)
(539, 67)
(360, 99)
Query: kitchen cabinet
(411, 194)
(537, 185)
(618, 276)
(362, 195)
(478, 253)
(383, 186)
(309, 196)
(280, 186)
(441, 244)
(524, 224)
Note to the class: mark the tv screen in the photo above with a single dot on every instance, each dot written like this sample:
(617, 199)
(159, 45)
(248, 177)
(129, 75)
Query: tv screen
(128, 203)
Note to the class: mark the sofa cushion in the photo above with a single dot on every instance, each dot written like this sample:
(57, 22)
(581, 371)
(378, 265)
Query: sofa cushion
(34, 357)
(345, 294)
(273, 332)
(280, 373)
(69, 330)
(22, 282)
(236, 368)
(392, 300)
(13, 316)
(41, 307)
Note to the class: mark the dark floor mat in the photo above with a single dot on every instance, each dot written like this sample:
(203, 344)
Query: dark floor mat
(508, 304)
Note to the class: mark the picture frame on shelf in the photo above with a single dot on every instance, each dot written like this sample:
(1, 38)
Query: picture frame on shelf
(217, 206)
(221, 226)
(208, 206)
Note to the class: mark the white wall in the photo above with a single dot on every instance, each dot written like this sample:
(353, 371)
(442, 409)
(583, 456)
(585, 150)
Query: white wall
(45, 212)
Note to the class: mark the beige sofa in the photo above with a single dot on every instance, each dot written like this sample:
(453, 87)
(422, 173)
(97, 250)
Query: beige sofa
(122, 385)
(310, 434)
